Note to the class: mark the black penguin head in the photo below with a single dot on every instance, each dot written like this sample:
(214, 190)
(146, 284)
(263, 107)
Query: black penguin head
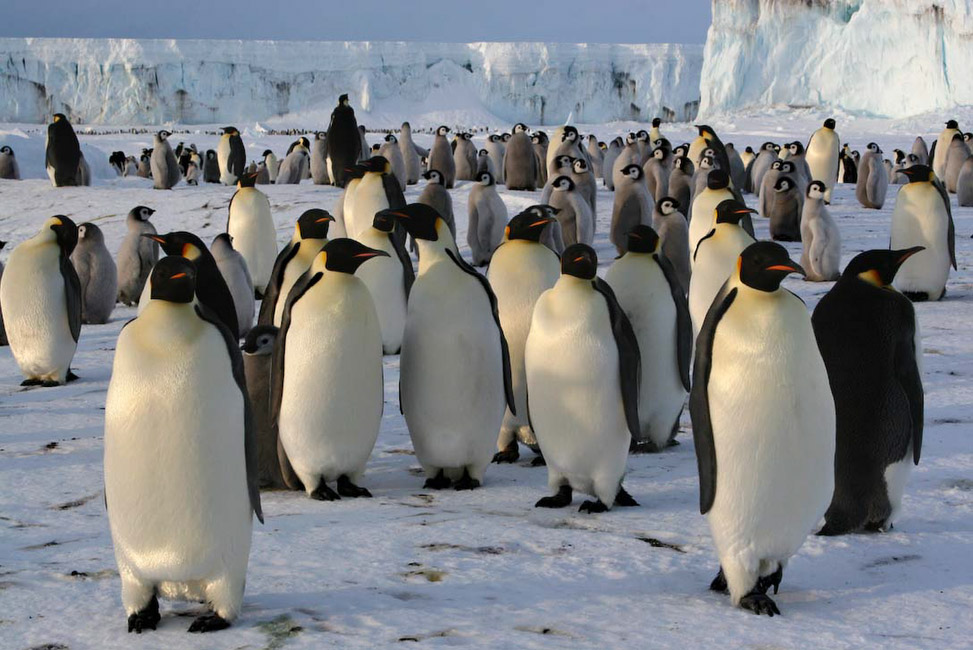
(343, 100)
(967, 136)
(706, 131)
(89, 232)
(656, 122)
(918, 174)
(642, 135)
(529, 224)
(878, 267)
(2, 244)
(7, 150)
(899, 156)
(763, 266)
(141, 213)
(65, 233)
(419, 220)
(749, 150)
(681, 150)
(520, 128)
(433, 176)
(874, 148)
(247, 180)
(643, 239)
(314, 223)
(483, 153)
(659, 153)
(796, 148)
(174, 280)
(344, 255)
(768, 146)
(816, 190)
(180, 243)
(378, 165)
(667, 205)
(60, 117)
(563, 183)
(707, 162)
(633, 171)
(230, 130)
(485, 179)
(732, 211)
(776, 164)
(952, 124)
(579, 166)
(829, 124)
(163, 134)
(562, 162)
(786, 167)
(783, 184)
(260, 341)
(355, 171)
(717, 180)
(682, 164)
(630, 138)
(506, 137)
(493, 137)
(580, 261)
(267, 152)
(223, 242)
(443, 130)
(391, 138)
(569, 134)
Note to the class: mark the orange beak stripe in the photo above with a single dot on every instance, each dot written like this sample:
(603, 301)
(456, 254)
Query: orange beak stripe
(780, 267)
(323, 219)
(400, 214)
(366, 255)
(177, 276)
(578, 259)
(542, 222)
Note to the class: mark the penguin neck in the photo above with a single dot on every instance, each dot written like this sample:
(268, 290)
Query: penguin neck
(432, 253)
(572, 284)
(166, 320)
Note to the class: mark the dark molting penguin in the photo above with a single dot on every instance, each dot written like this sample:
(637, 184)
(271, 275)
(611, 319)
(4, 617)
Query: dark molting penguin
(344, 142)
(211, 167)
(519, 161)
(258, 349)
(869, 339)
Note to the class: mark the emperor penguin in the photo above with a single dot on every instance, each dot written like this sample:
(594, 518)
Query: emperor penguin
(701, 176)
(964, 184)
(344, 142)
(251, 227)
(900, 161)
(920, 149)
(487, 219)
(40, 298)
(365, 149)
(870, 342)
(211, 289)
(293, 169)
(747, 157)
(345, 205)
(63, 158)
(575, 220)
(233, 268)
(327, 392)
(797, 156)
(485, 164)
(441, 157)
(737, 170)
(657, 169)
(9, 169)
(3, 331)
(873, 179)
(377, 191)
(849, 166)
(785, 210)
(273, 165)
(319, 159)
(595, 155)
(715, 257)
(584, 180)
(97, 274)
(821, 256)
(653, 299)
(703, 213)
(822, 156)
(569, 143)
(165, 169)
(582, 367)
(211, 167)
(519, 163)
(136, 256)
(262, 176)
(560, 165)
(495, 149)
(464, 157)
(180, 505)
(765, 472)
(680, 181)
(608, 163)
(116, 160)
(231, 155)
(437, 197)
(673, 232)
(389, 280)
(521, 270)
(539, 142)
(938, 155)
(629, 155)
(310, 236)
(453, 411)
(765, 197)
(410, 157)
(761, 165)
(391, 152)
(923, 217)
(258, 354)
(656, 131)
(145, 164)
(632, 206)
(956, 155)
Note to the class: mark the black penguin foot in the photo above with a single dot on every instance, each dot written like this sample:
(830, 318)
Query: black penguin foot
(31, 382)
(831, 528)
(593, 507)
(324, 493)
(759, 604)
(467, 482)
(773, 580)
(876, 527)
(145, 619)
(916, 296)
(438, 482)
(71, 376)
(719, 583)
(538, 461)
(560, 500)
(510, 454)
(624, 499)
(209, 623)
(348, 489)
(50, 383)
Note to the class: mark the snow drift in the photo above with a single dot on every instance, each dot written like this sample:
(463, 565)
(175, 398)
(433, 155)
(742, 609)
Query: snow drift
(120, 81)
(884, 58)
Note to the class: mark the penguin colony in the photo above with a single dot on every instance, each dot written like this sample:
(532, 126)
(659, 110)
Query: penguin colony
(693, 307)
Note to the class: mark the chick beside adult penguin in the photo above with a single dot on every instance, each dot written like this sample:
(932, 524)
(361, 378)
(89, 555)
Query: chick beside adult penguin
(165, 168)
(574, 217)
(441, 157)
(251, 227)
(873, 179)
(136, 255)
(519, 162)
(673, 231)
(258, 351)
(632, 206)
(231, 155)
(389, 279)
(233, 268)
(97, 274)
(822, 156)
(9, 169)
(784, 209)
(487, 218)
(821, 255)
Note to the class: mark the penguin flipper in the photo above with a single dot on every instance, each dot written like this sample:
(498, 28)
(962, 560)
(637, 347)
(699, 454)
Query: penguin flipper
(699, 398)
(268, 305)
(408, 273)
(629, 357)
(305, 282)
(287, 473)
(508, 385)
(249, 430)
(684, 323)
(951, 229)
(907, 372)
(237, 161)
(72, 292)
(229, 210)
(393, 192)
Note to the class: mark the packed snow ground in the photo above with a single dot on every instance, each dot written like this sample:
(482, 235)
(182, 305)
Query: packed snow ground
(479, 569)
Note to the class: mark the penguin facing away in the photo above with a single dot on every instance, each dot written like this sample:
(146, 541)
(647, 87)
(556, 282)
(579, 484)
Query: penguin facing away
(137, 255)
(673, 233)
(583, 403)
(258, 350)
(410, 157)
(785, 210)
(869, 339)
(9, 169)
(181, 528)
(344, 142)
(437, 197)
(97, 274)
(389, 279)
(520, 167)
(821, 256)
(632, 207)
(873, 179)
(251, 225)
(822, 156)
(165, 168)
(63, 158)
(765, 472)
(487, 219)
(233, 268)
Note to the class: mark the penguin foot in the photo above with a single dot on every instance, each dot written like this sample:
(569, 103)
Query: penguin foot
(438, 482)
(624, 499)
(324, 493)
(719, 583)
(560, 500)
(759, 604)
(145, 619)
(71, 376)
(538, 461)
(209, 623)
(916, 296)
(830, 529)
(773, 580)
(593, 507)
(348, 489)
(50, 383)
(467, 482)
(877, 527)
(31, 382)
(510, 454)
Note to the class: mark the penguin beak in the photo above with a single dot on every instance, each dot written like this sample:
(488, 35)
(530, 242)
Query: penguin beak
(155, 238)
(579, 258)
(745, 211)
(543, 221)
(790, 267)
(370, 254)
(324, 219)
(177, 276)
(909, 252)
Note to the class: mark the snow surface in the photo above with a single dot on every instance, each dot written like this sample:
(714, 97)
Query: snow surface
(205, 81)
(482, 569)
(891, 58)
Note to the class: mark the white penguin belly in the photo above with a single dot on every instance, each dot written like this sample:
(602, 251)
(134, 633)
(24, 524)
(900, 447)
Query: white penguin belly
(369, 199)
(384, 278)
(716, 261)
(704, 217)
(295, 268)
(35, 312)
(331, 407)
(254, 236)
(822, 160)
(920, 219)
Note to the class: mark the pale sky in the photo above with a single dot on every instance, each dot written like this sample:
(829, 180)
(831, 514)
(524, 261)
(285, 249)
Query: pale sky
(592, 21)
